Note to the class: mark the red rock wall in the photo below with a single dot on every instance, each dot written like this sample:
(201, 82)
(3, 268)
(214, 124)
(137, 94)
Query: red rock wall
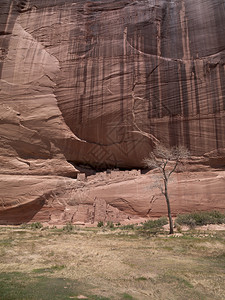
(80, 79)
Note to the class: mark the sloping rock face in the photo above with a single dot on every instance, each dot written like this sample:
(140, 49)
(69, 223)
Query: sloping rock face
(81, 80)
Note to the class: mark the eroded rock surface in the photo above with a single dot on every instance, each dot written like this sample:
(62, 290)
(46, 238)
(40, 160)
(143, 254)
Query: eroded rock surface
(81, 79)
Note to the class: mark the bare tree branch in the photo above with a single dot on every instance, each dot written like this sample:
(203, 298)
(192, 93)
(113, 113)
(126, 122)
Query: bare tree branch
(174, 168)
(166, 161)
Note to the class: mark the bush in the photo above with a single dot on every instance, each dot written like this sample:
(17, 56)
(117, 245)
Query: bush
(36, 225)
(201, 218)
(100, 224)
(127, 227)
(110, 224)
(152, 227)
(150, 224)
(68, 227)
(178, 227)
(24, 226)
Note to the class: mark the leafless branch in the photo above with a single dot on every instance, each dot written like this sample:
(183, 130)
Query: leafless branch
(166, 161)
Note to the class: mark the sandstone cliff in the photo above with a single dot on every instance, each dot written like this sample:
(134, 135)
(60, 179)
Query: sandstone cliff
(81, 79)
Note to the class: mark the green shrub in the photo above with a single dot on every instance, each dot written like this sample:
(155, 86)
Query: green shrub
(150, 224)
(110, 224)
(36, 225)
(100, 224)
(68, 227)
(127, 227)
(178, 227)
(24, 226)
(152, 227)
(201, 218)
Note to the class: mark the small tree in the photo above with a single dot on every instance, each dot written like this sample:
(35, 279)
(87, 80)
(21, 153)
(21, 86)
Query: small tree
(166, 161)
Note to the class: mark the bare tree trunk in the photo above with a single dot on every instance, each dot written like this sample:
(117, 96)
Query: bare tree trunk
(168, 208)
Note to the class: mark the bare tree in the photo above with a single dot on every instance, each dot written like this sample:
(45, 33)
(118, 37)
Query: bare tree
(166, 161)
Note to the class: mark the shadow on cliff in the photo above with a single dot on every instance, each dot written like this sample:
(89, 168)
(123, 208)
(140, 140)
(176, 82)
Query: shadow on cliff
(21, 214)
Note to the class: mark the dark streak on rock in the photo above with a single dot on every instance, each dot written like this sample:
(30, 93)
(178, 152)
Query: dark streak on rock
(6, 26)
(222, 82)
(196, 88)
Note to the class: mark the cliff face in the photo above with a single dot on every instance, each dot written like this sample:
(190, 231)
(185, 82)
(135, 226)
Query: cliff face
(80, 80)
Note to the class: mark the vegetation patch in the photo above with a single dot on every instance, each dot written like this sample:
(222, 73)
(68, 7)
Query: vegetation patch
(100, 224)
(22, 286)
(6, 242)
(110, 225)
(69, 227)
(159, 223)
(201, 218)
(153, 227)
(172, 279)
(49, 270)
(127, 227)
(35, 225)
(127, 296)
(142, 278)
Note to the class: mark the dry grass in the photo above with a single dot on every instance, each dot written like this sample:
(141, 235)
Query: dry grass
(118, 264)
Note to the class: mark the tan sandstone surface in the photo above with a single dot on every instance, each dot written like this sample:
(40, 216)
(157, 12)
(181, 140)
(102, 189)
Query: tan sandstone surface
(80, 80)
